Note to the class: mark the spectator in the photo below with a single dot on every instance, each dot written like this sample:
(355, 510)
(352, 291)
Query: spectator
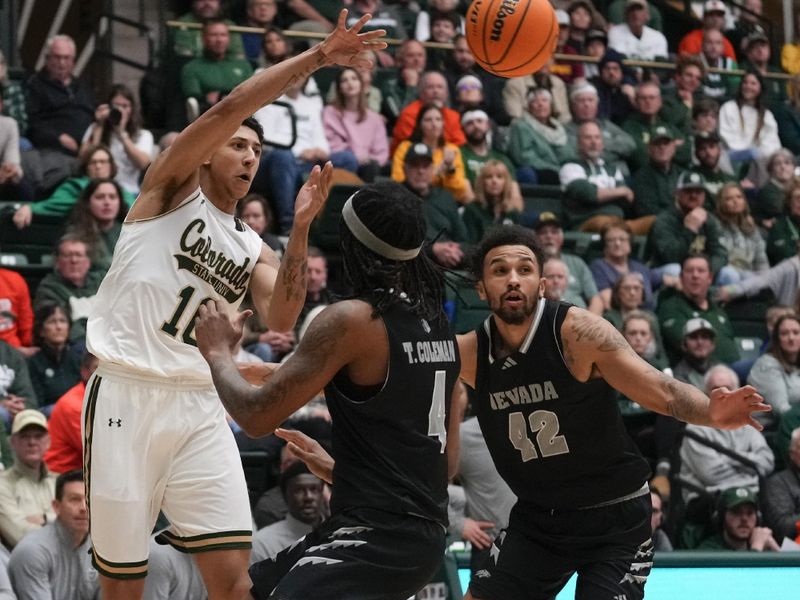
(784, 235)
(595, 193)
(60, 108)
(281, 169)
(16, 314)
(477, 151)
(16, 390)
(26, 489)
(616, 262)
(96, 163)
(448, 166)
(445, 26)
(787, 115)
(556, 279)
(713, 163)
(13, 184)
(303, 493)
(634, 38)
(210, 77)
(188, 43)
(739, 236)
(714, 15)
(698, 346)
(582, 17)
(72, 284)
(782, 495)
(641, 331)
(739, 528)
(445, 229)
(747, 24)
(618, 145)
(615, 92)
(641, 124)
(516, 90)
(783, 280)
(374, 97)
(432, 90)
(718, 86)
(254, 210)
(275, 46)
(402, 87)
(55, 561)
(787, 423)
(469, 94)
(315, 15)
(655, 182)
(383, 17)
(118, 126)
(758, 55)
(772, 196)
(497, 201)
(66, 442)
(678, 102)
(271, 506)
(596, 43)
(776, 373)
(537, 141)
(581, 290)
(423, 27)
(627, 296)
(686, 228)
(488, 498)
(171, 574)
(352, 127)
(661, 541)
(12, 97)
(746, 126)
(317, 292)
(676, 307)
(709, 470)
(97, 219)
(55, 368)
(568, 71)
(260, 14)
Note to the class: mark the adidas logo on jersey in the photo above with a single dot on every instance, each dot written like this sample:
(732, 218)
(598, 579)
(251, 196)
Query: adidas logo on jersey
(510, 362)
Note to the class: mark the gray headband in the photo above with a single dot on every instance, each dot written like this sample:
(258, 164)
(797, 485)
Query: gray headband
(369, 239)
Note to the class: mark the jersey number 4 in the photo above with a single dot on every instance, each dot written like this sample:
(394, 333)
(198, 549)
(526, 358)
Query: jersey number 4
(171, 327)
(544, 424)
(438, 412)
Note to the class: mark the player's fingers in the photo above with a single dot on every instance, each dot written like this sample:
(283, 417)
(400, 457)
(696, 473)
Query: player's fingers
(756, 425)
(369, 36)
(342, 21)
(242, 317)
(484, 524)
(202, 311)
(360, 23)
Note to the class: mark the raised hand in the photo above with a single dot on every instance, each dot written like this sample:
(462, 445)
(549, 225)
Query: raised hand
(344, 46)
(319, 462)
(215, 332)
(734, 409)
(311, 197)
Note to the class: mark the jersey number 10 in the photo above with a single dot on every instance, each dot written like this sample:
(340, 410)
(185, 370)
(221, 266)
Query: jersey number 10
(171, 327)
(544, 424)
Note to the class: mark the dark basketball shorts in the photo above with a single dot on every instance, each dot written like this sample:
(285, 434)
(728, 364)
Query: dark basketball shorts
(359, 554)
(610, 548)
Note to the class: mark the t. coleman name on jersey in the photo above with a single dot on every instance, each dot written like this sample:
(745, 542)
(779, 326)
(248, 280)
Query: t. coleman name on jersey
(430, 352)
(227, 278)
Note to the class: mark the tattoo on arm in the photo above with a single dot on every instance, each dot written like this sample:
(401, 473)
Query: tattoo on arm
(294, 277)
(600, 332)
(683, 403)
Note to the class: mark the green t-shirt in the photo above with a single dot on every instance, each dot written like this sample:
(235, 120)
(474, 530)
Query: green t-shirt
(473, 163)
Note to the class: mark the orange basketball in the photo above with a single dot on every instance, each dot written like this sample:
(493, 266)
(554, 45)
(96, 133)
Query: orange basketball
(512, 38)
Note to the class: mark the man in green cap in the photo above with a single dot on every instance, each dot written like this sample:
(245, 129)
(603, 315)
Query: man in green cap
(739, 529)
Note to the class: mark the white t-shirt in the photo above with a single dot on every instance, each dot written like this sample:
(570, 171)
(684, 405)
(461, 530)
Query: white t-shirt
(127, 173)
(651, 45)
(308, 112)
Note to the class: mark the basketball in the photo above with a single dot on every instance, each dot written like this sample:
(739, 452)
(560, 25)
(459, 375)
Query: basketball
(511, 38)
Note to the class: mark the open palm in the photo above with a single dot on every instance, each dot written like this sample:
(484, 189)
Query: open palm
(345, 46)
(311, 197)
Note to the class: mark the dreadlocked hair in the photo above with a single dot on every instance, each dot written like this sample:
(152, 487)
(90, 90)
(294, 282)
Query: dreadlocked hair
(393, 214)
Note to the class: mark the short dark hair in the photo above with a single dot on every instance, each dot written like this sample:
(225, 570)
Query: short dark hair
(703, 106)
(298, 467)
(451, 16)
(252, 123)
(44, 311)
(214, 21)
(504, 235)
(693, 255)
(64, 479)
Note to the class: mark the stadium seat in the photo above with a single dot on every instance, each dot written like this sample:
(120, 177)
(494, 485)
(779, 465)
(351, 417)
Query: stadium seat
(325, 230)
(538, 199)
(749, 347)
(257, 473)
(584, 244)
(467, 309)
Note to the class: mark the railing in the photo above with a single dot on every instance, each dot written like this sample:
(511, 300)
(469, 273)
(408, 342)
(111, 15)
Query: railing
(105, 50)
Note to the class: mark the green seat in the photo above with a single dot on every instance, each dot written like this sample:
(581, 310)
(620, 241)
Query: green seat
(749, 347)
(584, 244)
(469, 311)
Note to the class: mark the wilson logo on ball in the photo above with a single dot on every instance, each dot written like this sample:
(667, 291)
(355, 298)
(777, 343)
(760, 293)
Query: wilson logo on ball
(507, 8)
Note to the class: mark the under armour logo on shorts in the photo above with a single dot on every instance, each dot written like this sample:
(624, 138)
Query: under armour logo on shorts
(117, 422)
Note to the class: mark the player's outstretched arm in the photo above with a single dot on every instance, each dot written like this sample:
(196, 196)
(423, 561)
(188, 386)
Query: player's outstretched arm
(279, 289)
(593, 347)
(177, 167)
(329, 344)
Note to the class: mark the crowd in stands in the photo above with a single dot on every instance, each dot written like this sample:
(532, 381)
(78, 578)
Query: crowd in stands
(683, 183)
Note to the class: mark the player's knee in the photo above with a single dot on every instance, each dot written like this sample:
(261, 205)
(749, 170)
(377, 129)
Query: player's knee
(232, 588)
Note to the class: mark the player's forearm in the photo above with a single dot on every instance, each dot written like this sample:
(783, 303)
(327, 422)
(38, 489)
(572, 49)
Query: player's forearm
(685, 402)
(290, 286)
(249, 406)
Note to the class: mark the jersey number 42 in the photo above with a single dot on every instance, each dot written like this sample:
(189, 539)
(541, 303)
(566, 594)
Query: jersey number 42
(544, 424)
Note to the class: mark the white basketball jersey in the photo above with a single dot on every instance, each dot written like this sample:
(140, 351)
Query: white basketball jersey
(163, 269)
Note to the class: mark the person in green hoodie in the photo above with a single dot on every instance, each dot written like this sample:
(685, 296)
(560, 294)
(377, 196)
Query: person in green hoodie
(72, 284)
(97, 163)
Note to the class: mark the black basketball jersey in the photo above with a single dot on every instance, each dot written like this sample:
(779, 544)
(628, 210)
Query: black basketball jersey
(557, 442)
(390, 448)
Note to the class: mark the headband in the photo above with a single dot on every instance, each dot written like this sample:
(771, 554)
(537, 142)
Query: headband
(369, 239)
